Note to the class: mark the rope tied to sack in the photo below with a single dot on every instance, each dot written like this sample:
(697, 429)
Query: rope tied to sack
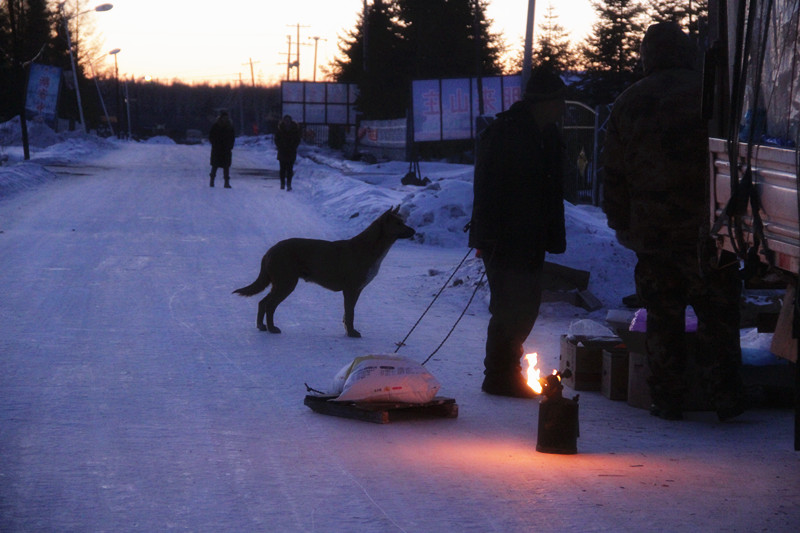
(436, 297)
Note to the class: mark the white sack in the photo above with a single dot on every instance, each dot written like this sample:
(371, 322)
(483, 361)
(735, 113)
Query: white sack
(385, 378)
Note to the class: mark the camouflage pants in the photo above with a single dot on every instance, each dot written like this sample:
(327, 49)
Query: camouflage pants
(667, 283)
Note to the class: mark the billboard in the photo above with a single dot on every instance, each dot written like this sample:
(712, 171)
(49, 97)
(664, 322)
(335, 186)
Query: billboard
(319, 102)
(41, 98)
(446, 109)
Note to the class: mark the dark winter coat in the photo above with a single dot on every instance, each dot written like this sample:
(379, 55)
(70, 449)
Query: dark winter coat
(656, 152)
(287, 139)
(222, 138)
(518, 206)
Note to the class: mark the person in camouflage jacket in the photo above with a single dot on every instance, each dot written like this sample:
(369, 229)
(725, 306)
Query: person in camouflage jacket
(655, 186)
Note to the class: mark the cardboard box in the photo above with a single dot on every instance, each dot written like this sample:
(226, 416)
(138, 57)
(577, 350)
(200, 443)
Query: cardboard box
(584, 358)
(697, 396)
(614, 380)
(638, 389)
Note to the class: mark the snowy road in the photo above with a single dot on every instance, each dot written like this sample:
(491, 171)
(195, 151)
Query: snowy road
(137, 395)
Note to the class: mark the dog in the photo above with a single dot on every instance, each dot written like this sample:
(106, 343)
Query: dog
(345, 266)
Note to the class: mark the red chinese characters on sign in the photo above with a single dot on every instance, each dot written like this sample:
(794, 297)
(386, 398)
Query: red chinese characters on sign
(42, 95)
(445, 109)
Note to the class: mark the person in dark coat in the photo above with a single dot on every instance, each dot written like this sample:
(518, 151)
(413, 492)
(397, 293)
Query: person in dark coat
(655, 188)
(287, 139)
(517, 217)
(222, 139)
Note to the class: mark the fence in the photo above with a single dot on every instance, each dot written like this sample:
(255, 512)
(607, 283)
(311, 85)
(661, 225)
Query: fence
(583, 133)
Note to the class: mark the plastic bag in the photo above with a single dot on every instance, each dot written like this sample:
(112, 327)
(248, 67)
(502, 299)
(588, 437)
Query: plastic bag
(639, 322)
(588, 331)
(384, 378)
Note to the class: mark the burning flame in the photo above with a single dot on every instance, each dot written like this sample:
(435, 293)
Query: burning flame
(533, 372)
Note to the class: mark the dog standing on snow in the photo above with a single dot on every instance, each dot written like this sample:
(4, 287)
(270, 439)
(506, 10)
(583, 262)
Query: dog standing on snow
(346, 266)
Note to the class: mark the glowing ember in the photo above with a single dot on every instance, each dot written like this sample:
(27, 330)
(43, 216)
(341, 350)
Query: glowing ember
(533, 372)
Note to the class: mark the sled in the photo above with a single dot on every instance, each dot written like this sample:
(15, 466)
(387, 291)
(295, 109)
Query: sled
(383, 412)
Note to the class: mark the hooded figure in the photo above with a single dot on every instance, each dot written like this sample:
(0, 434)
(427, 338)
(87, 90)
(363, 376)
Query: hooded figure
(518, 216)
(655, 185)
(222, 139)
(287, 139)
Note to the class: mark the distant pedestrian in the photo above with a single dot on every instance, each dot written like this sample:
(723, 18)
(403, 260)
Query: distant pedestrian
(222, 138)
(287, 139)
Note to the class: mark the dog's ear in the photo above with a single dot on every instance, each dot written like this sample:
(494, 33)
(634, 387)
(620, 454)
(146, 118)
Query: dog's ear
(396, 210)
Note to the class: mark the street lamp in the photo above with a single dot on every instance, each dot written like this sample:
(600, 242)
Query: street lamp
(100, 8)
(114, 53)
(102, 100)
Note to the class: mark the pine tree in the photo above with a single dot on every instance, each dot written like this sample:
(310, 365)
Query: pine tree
(380, 73)
(25, 35)
(692, 15)
(553, 46)
(611, 51)
(439, 37)
(413, 39)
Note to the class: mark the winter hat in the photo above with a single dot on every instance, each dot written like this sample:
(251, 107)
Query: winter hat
(666, 46)
(544, 84)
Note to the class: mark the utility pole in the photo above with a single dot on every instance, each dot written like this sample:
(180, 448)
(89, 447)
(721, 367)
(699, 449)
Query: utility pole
(527, 60)
(252, 74)
(288, 57)
(241, 105)
(255, 104)
(478, 78)
(316, 42)
(364, 34)
(297, 59)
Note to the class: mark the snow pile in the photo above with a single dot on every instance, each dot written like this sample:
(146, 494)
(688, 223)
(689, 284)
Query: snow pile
(351, 191)
(20, 177)
(159, 139)
(39, 134)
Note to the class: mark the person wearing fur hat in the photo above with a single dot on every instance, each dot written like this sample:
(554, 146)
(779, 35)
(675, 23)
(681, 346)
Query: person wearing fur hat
(518, 217)
(655, 185)
(222, 139)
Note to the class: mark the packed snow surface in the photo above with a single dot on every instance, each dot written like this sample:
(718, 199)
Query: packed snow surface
(136, 393)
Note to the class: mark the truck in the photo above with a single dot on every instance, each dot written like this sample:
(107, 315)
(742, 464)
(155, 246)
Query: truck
(752, 102)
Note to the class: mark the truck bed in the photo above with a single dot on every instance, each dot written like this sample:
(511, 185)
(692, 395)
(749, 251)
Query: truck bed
(775, 175)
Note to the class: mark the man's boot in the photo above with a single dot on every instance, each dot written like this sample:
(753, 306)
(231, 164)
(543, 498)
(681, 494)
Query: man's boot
(227, 183)
(211, 184)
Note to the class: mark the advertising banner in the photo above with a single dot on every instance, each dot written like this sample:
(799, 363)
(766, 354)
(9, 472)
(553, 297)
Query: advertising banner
(41, 99)
(446, 109)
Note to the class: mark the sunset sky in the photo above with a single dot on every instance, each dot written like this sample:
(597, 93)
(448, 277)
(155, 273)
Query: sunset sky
(194, 42)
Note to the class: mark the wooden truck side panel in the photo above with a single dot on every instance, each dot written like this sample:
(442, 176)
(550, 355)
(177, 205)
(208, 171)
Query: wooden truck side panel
(775, 177)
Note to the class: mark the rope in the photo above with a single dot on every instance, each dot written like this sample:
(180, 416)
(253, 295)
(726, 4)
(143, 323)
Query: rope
(477, 286)
(436, 297)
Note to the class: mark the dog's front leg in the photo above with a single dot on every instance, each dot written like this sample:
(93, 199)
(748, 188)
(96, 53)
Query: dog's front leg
(350, 299)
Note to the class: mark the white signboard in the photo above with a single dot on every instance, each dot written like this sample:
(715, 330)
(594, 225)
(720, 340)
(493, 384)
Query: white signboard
(446, 109)
(319, 102)
(41, 100)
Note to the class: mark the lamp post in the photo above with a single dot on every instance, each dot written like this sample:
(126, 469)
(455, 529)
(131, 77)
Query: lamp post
(527, 60)
(102, 100)
(114, 53)
(101, 7)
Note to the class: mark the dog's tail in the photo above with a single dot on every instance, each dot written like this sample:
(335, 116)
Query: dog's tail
(261, 283)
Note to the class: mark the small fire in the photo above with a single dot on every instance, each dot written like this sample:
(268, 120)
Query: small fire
(533, 372)
(533, 375)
